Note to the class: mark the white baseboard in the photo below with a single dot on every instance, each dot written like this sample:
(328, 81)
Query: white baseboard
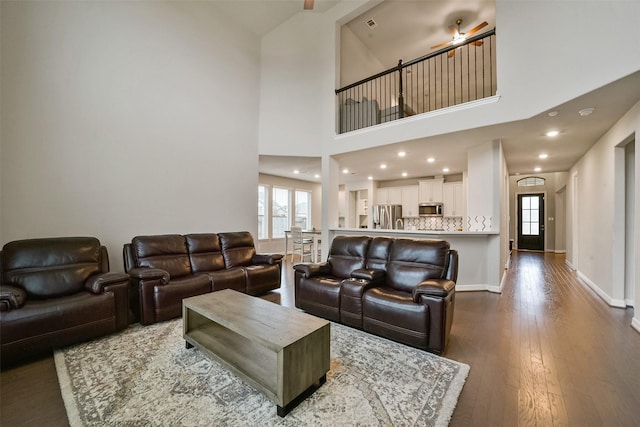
(560, 251)
(475, 288)
(602, 294)
(566, 261)
(635, 324)
(629, 302)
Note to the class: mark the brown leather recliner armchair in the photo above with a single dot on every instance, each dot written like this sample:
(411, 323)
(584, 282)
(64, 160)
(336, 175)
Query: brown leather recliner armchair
(401, 289)
(56, 292)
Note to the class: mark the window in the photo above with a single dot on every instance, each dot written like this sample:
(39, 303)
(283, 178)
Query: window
(303, 209)
(530, 215)
(530, 181)
(280, 212)
(263, 208)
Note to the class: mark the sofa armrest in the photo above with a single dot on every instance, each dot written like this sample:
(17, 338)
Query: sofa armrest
(433, 288)
(150, 274)
(11, 298)
(310, 270)
(370, 274)
(267, 258)
(97, 283)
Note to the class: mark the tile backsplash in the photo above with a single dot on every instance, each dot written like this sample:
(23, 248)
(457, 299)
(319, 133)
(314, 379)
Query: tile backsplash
(477, 223)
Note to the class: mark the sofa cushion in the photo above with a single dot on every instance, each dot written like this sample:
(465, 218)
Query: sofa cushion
(378, 253)
(165, 252)
(205, 252)
(237, 248)
(347, 254)
(50, 267)
(413, 261)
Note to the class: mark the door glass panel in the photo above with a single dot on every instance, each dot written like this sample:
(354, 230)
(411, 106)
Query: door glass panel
(530, 215)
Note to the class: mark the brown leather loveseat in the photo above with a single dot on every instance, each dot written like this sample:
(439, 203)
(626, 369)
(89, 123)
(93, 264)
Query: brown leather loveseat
(56, 292)
(401, 289)
(165, 269)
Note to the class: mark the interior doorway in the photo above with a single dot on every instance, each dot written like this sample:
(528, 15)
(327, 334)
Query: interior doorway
(531, 221)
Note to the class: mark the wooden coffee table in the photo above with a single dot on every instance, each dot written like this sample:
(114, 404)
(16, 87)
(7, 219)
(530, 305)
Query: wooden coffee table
(279, 350)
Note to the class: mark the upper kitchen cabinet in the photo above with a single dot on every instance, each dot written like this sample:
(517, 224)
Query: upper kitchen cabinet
(410, 201)
(430, 190)
(454, 201)
(389, 196)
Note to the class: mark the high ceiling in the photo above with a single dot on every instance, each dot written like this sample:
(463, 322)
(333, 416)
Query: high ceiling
(418, 25)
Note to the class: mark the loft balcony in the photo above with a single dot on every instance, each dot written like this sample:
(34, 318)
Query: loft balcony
(450, 76)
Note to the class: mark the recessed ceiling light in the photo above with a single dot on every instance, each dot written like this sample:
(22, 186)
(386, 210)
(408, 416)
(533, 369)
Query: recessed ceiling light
(316, 176)
(543, 156)
(401, 153)
(345, 170)
(445, 169)
(369, 177)
(553, 113)
(538, 169)
(296, 171)
(383, 166)
(431, 160)
(552, 133)
(404, 174)
(586, 111)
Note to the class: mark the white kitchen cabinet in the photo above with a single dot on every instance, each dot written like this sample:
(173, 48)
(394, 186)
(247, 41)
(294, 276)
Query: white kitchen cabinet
(430, 190)
(389, 196)
(410, 201)
(454, 203)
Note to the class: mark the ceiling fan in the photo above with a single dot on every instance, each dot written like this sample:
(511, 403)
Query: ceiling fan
(308, 4)
(457, 37)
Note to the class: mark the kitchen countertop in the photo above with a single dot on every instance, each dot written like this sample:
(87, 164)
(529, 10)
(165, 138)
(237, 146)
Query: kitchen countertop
(414, 232)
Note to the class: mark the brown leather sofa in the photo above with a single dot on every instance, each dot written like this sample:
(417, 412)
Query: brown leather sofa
(401, 289)
(56, 292)
(165, 269)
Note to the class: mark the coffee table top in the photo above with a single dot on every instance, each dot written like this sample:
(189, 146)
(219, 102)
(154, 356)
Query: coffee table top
(268, 323)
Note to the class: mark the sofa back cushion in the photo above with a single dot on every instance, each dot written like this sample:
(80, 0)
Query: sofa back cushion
(378, 253)
(52, 267)
(237, 248)
(205, 252)
(167, 252)
(347, 253)
(412, 261)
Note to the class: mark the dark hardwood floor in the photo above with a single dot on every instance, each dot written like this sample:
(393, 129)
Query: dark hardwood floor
(547, 351)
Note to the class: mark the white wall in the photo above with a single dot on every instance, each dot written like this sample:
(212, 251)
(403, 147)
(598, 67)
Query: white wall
(356, 61)
(598, 230)
(126, 118)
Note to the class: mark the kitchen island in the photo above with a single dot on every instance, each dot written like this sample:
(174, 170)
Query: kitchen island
(479, 266)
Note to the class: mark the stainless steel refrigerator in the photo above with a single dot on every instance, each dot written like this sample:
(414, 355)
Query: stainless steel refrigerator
(387, 217)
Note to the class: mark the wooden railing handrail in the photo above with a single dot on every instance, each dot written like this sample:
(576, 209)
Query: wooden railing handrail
(414, 61)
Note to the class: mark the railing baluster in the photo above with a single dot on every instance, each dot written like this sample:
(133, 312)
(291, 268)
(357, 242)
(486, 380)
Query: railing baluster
(445, 82)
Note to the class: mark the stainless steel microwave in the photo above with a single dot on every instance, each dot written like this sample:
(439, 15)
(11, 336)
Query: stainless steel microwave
(430, 209)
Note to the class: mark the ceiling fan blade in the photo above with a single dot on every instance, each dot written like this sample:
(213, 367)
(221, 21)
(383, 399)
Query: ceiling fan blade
(308, 4)
(477, 43)
(452, 52)
(476, 28)
(441, 45)
(453, 30)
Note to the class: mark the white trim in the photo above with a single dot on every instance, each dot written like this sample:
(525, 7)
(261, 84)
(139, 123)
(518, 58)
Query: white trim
(560, 251)
(629, 302)
(635, 324)
(417, 117)
(566, 261)
(606, 298)
(475, 288)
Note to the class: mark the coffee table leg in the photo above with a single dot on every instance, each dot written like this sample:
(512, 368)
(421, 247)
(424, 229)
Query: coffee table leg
(283, 411)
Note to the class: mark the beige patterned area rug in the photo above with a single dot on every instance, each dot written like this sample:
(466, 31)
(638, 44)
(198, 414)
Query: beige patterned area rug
(144, 376)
